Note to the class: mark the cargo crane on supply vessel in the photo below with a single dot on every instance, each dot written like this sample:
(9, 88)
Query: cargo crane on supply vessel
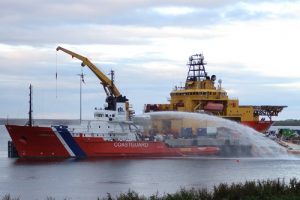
(112, 93)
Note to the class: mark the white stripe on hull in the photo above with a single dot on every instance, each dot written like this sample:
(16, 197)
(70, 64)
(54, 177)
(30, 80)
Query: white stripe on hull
(63, 142)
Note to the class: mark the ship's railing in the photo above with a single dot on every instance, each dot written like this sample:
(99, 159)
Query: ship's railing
(178, 88)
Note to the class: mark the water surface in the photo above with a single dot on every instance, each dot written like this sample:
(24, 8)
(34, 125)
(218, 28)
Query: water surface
(89, 179)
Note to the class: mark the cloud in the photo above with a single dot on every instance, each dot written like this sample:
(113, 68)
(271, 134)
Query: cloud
(174, 11)
(285, 9)
(251, 45)
(294, 86)
(34, 13)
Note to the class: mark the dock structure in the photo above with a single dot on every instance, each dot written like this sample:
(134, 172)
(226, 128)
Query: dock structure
(11, 150)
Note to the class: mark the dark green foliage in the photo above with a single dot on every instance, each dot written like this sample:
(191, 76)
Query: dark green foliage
(191, 194)
(130, 195)
(8, 197)
(250, 190)
(288, 122)
(50, 198)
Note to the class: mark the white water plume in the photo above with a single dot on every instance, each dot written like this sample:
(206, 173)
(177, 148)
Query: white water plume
(242, 137)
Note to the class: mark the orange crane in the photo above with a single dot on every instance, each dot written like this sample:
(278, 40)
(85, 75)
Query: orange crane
(112, 92)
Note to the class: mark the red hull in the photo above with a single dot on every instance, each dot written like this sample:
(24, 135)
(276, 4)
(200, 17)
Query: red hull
(139, 149)
(260, 126)
(44, 142)
(36, 141)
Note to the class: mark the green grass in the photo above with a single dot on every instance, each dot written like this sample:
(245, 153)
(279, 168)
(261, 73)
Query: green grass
(249, 190)
(8, 197)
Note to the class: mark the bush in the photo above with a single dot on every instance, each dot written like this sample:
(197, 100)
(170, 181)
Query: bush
(250, 190)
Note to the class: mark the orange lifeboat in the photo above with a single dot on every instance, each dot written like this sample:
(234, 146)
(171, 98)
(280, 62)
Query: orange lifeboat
(214, 106)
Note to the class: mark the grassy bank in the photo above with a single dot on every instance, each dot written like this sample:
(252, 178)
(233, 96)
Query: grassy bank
(250, 190)
(288, 122)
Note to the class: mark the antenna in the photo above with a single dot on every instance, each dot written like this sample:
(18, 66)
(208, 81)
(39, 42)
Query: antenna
(112, 75)
(220, 83)
(81, 75)
(30, 106)
(56, 76)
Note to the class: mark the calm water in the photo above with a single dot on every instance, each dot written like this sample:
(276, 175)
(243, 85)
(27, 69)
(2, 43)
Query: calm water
(89, 179)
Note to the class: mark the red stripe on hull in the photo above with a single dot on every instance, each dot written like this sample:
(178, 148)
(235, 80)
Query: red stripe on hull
(96, 148)
(260, 126)
(36, 141)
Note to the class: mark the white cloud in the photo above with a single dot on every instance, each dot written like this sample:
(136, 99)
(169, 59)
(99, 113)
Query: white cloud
(240, 50)
(294, 86)
(174, 10)
(271, 9)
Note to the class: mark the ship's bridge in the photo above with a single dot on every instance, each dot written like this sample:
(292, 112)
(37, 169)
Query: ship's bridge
(200, 93)
(111, 115)
(106, 115)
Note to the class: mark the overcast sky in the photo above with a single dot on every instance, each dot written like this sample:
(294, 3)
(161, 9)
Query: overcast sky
(253, 46)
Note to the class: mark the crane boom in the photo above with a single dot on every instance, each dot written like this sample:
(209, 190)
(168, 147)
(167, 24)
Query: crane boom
(105, 81)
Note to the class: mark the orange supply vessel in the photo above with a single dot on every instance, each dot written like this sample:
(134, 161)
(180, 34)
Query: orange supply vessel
(201, 95)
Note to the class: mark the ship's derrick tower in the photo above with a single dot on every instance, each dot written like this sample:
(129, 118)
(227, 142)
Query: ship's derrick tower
(196, 66)
(199, 92)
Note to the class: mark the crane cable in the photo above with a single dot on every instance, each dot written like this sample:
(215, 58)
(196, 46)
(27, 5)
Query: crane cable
(56, 76)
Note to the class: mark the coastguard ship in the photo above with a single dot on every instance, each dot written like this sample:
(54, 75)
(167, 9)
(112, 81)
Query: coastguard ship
(109, 135)
(112, 133)
(199, 94)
